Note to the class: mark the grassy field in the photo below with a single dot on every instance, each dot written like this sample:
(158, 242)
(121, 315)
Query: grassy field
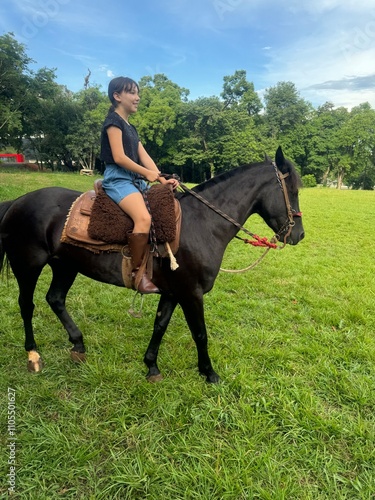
(293, 341)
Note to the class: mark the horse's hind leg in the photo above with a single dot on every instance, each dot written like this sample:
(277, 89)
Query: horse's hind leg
(164, 313)
(62, 279)
(27, 280)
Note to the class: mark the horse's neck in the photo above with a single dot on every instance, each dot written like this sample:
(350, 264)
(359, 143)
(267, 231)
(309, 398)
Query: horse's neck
(236, 194)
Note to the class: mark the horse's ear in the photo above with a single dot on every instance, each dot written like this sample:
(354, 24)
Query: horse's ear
(267, 158)
(280, 160)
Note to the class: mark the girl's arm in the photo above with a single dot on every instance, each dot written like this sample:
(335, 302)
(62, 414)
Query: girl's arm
(145, 159)
(149, 163)
(120, 158)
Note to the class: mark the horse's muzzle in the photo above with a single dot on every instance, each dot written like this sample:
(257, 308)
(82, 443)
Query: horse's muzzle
(294, 239)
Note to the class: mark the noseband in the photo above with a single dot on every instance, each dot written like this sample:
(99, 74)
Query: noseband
(289, 224)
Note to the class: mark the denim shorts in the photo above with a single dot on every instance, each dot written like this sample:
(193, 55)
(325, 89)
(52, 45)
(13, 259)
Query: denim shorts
(119, 182)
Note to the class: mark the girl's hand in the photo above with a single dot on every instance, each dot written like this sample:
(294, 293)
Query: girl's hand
(152, 175)
(172, 182)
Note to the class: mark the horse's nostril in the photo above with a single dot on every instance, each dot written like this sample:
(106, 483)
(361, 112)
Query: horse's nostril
(302, 235)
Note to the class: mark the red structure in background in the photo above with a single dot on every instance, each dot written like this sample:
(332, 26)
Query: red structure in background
(17, 158)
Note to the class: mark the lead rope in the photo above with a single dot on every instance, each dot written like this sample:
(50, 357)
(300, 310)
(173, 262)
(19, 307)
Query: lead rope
(248, 268)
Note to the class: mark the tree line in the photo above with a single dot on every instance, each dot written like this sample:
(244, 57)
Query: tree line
(196, 139)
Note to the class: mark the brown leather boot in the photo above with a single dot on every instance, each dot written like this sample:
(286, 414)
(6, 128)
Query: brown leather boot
(138, 243)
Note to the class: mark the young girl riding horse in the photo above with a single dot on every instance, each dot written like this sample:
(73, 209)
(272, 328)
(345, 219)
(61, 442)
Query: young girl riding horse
(127, 165)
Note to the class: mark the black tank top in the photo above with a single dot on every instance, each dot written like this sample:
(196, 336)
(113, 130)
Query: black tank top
(130, 138)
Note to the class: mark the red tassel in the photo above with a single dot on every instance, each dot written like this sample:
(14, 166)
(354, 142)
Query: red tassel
(260, 242)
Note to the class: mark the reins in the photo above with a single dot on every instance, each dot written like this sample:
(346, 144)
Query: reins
(257, 240)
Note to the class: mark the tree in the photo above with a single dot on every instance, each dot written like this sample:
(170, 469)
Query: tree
(83, 140)
(49, 129)
(213, 138)
(237, 91)
(157, 112)
(284, 109)
(200, 138)
(322, 152)
(197, 122)
(357, 140)
(14, 86)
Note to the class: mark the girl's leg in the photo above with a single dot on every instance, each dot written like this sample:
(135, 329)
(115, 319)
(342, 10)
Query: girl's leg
(135, 207)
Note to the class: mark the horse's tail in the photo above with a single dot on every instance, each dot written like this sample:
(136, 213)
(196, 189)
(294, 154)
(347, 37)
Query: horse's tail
(4, 206)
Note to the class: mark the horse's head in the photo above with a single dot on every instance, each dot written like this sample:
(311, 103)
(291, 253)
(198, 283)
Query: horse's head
(281, 209)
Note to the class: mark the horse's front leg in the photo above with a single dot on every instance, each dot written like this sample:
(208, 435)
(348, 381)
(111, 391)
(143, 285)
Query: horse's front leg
(164, 313)
(194, 314)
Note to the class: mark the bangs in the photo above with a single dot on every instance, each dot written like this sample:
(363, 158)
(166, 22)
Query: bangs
(121, 84)
(130, 85)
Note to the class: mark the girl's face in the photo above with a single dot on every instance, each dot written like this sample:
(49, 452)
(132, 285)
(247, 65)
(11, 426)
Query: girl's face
(128, 100)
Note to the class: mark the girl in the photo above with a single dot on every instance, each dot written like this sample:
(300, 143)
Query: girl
(127, 165)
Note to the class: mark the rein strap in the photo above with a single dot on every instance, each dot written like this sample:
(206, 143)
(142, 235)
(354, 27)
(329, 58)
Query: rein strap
(259, 242)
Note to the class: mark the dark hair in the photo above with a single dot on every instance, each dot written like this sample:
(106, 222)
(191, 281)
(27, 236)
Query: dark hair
(120, 84)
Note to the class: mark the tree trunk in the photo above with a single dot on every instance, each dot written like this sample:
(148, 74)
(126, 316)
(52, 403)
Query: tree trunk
(340, 177)
(325, 176)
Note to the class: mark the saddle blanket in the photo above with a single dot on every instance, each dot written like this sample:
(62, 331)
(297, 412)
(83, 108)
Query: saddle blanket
(98, 223)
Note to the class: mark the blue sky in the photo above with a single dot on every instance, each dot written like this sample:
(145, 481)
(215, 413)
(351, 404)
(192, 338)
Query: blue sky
(325, 47)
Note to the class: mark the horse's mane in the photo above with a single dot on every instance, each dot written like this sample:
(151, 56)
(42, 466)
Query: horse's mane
(293, 180)
(218, 179)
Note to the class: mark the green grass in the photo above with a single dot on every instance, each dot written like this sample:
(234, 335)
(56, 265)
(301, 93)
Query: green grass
(293, 341)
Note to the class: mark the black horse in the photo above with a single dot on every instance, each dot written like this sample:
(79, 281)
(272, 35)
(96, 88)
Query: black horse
(31, 227)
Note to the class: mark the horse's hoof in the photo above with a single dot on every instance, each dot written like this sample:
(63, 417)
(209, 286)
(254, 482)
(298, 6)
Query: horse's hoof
(35, 363)
(155, 378)
(212, 378)
(77, 357)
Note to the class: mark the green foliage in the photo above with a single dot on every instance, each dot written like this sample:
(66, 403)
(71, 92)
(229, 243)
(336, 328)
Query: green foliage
(193, 138)
(357, 140)
(83, 138)
(160, 100)
(237, 91)
(14, 86)
(284, 108)
(323, 146)
(293, 417)
(308, 181)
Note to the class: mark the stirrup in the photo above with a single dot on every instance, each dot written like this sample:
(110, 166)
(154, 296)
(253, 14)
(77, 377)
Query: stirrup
(131, 311)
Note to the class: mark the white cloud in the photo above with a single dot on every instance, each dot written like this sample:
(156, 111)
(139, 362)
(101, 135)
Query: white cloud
(340, 50)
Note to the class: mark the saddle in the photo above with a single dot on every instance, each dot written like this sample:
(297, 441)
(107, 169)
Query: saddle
(97, 223)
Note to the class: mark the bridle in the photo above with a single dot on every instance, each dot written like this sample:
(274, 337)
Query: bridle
(289, 224)
(257, 240)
